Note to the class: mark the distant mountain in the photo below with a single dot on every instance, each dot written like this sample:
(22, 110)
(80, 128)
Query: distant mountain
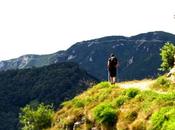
(138, 55)
(50, 84)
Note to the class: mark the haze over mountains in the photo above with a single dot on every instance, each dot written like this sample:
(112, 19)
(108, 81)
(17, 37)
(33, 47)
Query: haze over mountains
(138, 55)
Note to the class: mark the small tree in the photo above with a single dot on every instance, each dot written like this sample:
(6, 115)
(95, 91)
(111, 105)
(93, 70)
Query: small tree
(36, 118)
(167, 53)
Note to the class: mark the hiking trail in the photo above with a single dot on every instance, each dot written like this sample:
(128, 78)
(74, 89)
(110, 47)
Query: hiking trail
(141, 84)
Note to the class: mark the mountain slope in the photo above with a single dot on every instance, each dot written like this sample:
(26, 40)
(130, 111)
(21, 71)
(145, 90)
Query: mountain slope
(134, 53)
(106, 107)
(50, 84)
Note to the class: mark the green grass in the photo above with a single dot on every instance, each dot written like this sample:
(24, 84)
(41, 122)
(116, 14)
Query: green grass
(119, 101)
(163, 83)
(122, 108)
(131, 92)
(104, 113)
(164, 119)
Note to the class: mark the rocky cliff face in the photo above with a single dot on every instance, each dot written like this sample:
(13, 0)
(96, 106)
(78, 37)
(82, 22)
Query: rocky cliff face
(134, 53)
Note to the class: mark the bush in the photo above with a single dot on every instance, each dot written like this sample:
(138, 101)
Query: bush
(104, 85)
(167, 55)
(104, 113)
(131, 92)
(162, 83)
(167, 97)
(162, 80)
(131, 116)
(119, 101)
(79, 102)
(164, 119)
(146, 100)
(147, 95)
(36, 118)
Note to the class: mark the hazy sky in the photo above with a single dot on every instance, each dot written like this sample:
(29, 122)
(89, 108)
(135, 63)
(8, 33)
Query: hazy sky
(47, 26)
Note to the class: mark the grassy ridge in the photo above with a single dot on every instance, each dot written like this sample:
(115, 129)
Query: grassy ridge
(109, 107)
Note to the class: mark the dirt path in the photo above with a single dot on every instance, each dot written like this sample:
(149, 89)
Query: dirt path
(142, 84)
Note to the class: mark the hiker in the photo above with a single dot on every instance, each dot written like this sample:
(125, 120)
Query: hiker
(112, 66)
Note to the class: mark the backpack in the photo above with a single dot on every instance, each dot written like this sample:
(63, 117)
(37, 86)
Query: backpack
(112, 62)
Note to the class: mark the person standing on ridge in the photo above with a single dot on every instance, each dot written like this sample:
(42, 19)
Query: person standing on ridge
(112, 66)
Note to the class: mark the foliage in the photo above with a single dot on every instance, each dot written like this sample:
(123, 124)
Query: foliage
(36, 118)
(164, 119)
(49, 84)
(121, 109)
(104, 85)
(131, 116)
(146, 98)
(167, 54)
(119, 101)
(104, 113)
(163, 83)
(79, 102)
(131, 92)
(162, 80)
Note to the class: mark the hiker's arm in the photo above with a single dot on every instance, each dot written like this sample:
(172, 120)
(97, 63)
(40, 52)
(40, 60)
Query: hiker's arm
(117, 65)
(108, 64)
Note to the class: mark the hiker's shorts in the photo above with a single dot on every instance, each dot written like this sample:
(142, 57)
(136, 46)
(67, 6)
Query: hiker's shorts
(112, 72)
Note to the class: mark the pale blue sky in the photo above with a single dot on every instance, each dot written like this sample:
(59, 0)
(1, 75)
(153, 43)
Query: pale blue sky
(47, 26)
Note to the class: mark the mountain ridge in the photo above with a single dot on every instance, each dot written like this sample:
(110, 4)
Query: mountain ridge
(133, 52)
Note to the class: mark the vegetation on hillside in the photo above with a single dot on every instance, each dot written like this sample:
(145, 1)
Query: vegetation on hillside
(167, 54)
(109, 107)
(102, 107)
(36, 118)
(164, 84)
(49, 84)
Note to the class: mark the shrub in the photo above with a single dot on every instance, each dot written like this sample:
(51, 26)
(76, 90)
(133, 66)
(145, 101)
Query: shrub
(167, 55)
(131, 92)
(147, 95)
(79, 102)
(162, 83)
(119, 101)
(103, 94)
(131, 116)
(104, 85)
(104, 113)
(162, 80)
(36, 118)
(167, 97)
(146, 100)
(164, 119)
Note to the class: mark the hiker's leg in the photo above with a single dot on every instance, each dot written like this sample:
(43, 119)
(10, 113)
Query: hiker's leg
(109, 76)
(113, 80)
